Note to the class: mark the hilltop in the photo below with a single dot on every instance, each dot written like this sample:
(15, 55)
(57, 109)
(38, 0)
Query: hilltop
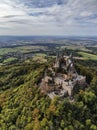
(24, 106)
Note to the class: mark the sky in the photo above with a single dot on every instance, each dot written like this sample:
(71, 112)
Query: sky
(48, 17)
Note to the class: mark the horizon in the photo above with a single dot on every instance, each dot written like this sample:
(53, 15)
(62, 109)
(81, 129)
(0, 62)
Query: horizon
(48, 36)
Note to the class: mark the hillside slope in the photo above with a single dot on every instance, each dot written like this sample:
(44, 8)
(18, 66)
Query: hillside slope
(24, 107)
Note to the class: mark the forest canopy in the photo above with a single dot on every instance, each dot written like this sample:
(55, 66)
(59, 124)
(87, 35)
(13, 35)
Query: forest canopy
(24, 107)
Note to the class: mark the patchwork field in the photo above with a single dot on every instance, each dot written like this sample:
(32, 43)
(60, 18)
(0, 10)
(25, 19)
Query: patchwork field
(38, 52)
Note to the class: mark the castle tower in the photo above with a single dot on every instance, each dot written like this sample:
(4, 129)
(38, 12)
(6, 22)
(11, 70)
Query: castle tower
(71, 69)
(57, 60)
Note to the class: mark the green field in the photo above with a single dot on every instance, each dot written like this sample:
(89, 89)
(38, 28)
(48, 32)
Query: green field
(73, 47)
(27, 49)
(22, 49)
(4, 51)
(40, 58)
(9, 60)
(88, 56)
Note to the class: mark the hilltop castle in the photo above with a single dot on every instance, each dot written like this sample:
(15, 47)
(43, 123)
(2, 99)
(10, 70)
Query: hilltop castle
(62, 79)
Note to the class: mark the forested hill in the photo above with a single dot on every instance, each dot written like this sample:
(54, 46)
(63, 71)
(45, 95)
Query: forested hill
(24, 107)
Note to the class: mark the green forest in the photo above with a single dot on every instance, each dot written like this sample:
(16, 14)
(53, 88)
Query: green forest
(24, 107)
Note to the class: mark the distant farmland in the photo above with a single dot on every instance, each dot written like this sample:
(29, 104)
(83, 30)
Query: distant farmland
(88, 56)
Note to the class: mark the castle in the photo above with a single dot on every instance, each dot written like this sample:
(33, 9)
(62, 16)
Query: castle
(62, 79)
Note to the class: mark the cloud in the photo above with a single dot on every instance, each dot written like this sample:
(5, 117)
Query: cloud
(40, 17)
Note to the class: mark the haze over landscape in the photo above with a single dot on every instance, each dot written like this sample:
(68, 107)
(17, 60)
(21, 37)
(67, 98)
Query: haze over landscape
(48, 17)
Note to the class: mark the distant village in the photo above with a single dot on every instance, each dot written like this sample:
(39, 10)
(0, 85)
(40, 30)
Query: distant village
(62, 79)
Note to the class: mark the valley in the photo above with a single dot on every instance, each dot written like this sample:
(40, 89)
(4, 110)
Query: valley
(16, 49)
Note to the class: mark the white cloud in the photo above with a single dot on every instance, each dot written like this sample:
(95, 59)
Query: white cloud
(86, 14)
(68, 17)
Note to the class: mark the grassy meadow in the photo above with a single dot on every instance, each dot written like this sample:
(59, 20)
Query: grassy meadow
(88, 56)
